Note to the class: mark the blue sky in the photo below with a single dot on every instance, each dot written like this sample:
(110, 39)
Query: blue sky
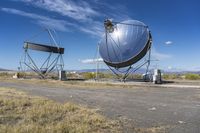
(175, 27)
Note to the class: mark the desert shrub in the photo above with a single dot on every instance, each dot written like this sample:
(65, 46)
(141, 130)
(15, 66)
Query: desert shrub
(74, 76)
(135, 76)
(70, 75)
(55, 77)
(4, 74)
(191, 76)
(21, 74)
(105, 75)
(92, 75)
(166, 76)
(171, 76)
(88, 75)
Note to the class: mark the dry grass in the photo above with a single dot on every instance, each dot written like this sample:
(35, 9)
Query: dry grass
(159, 129)
(22, 113)
(67, 84)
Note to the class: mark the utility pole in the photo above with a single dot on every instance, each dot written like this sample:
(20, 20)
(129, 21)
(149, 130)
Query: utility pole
(97, 62)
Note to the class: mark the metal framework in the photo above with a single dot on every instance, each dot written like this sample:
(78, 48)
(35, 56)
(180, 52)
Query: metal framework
(54, 60)
(131, 68)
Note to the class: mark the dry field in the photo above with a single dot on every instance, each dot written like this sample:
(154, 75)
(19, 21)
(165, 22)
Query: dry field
(96, 107)
(22, 113)
(65, 84)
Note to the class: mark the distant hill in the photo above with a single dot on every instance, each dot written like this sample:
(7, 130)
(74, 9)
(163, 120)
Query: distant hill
(139, 71)
(182, 72)
(2, 69)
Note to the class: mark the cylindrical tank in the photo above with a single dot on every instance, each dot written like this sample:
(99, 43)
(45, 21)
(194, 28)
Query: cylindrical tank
(62, 75)
(157, 78)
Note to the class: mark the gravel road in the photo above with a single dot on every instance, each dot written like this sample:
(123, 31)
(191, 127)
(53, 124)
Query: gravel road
(176, 109)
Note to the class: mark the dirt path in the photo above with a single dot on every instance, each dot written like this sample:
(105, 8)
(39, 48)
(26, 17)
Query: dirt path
(177, 109)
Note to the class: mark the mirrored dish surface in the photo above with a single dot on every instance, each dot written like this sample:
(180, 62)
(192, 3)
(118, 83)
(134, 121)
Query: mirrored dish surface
(127, 44)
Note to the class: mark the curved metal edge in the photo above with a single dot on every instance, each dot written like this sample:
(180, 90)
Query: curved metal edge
(44, 48)
(134, 59)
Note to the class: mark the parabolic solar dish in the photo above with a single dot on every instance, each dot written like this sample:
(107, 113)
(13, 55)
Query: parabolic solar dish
(124, 43)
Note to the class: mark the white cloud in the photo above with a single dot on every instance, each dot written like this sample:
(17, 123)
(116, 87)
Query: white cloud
(160, 56)
(173, 69)
(91, 61)
(93, 28)
(192, 68)
(41, 20)
(170, 67)
(117, 11)
(196, 68)
(168, 42)
(80, 10)
(83, 15)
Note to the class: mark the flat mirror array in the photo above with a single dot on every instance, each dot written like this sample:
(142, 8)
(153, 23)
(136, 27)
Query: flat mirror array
(52, 60)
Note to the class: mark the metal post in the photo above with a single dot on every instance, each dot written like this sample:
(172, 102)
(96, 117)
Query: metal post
(97, 62)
